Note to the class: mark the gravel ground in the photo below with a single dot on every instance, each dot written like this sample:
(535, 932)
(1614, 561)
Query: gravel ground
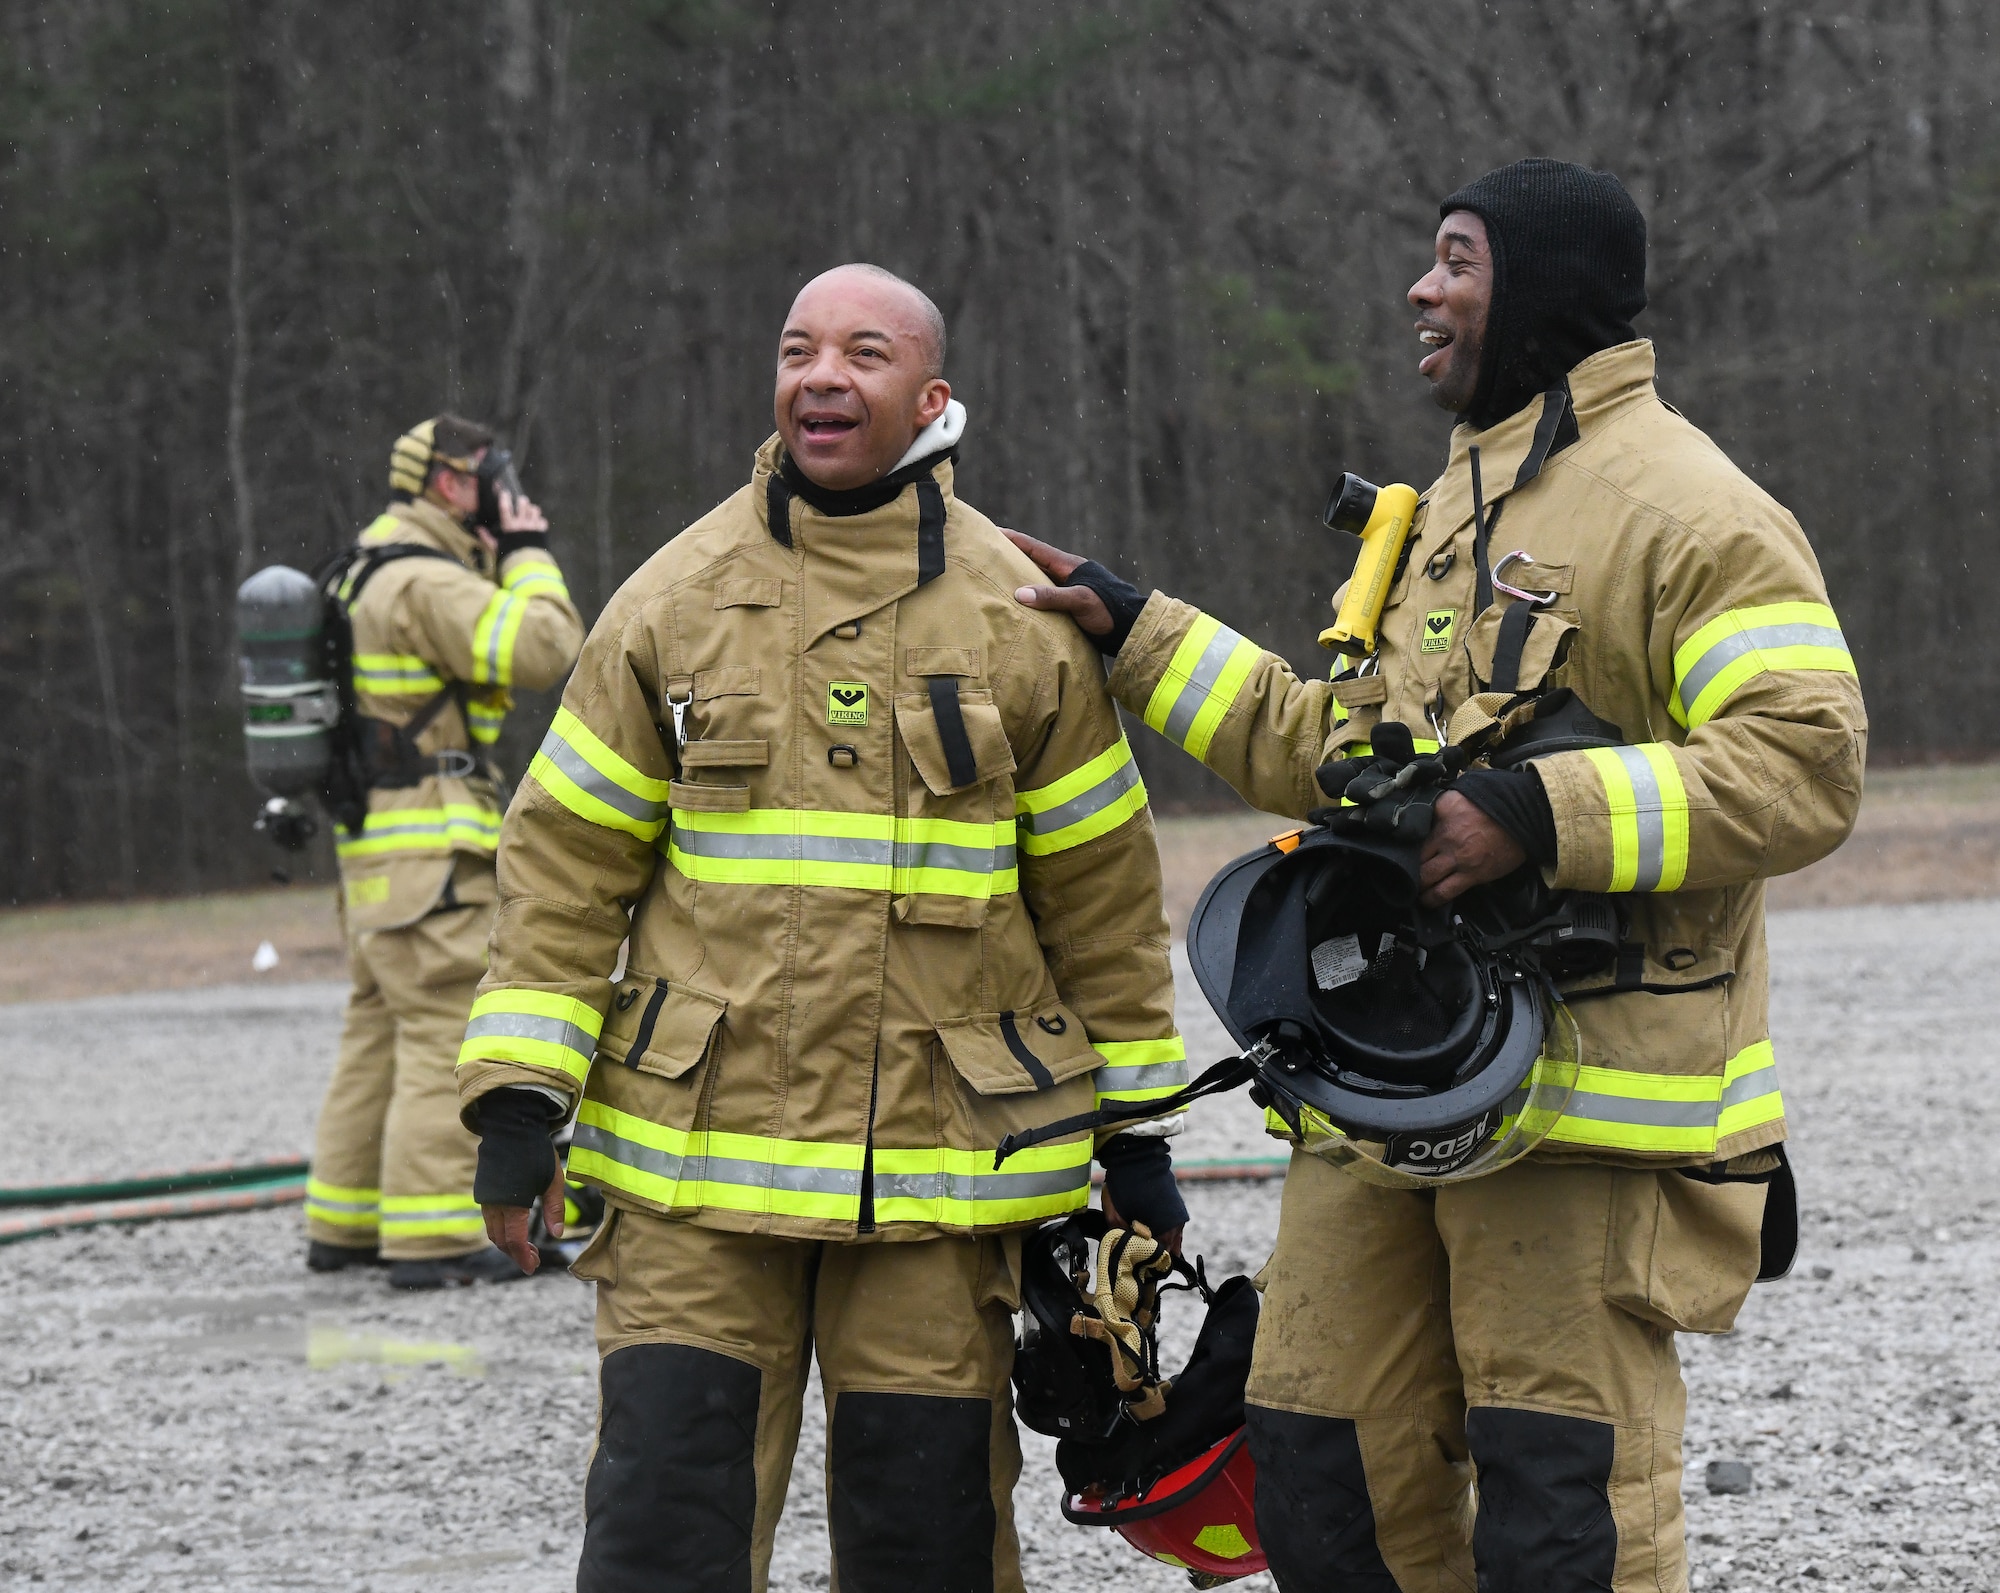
(184, 1407)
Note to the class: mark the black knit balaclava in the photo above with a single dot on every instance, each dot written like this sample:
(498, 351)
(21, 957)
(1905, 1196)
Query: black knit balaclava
(1569, 274)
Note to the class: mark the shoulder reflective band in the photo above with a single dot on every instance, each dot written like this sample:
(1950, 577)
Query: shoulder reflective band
(1670, 1113)
(1089, 801)
(430, 1217)
(395, 675)
(381, 529)
(595, 783)
(456, 826)
(533, 576)
(493, 637)
(342, 1207)
(1732, 648)
(1202, 680)
(534, 1028)
(1140, 1070)
(796, 1178)
(1648, 815)
(851, 851)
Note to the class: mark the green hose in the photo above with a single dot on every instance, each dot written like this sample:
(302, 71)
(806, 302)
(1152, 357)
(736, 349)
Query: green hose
(240, 1196)
(218, 1175)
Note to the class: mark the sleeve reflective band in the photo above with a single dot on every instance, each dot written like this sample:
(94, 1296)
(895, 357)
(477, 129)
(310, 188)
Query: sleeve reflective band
(1140, 1070)
(534, 577)
(485, 716)
(534, 1028)
(1648, 815)
(595, 783)
(1201, 681)
(1667, 1113)
(431, 1217)
(493, 638)
(1089, 801)
(455, 826)
(1734, 647)
(395, 675)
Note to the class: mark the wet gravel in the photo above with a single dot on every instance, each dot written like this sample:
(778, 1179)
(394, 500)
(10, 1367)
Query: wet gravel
(183, 1406)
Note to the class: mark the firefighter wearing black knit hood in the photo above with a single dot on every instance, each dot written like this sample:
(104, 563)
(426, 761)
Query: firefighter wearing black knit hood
(1520, 1326)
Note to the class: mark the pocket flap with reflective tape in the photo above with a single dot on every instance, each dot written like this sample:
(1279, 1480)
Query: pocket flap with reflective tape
(1544, 651)
(985, 732)
(1012, 1053)
(662, 1028)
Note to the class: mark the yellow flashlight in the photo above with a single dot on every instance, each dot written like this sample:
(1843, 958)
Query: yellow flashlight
(1381, 517)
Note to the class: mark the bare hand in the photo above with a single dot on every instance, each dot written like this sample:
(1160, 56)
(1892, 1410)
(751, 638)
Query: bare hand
(1172, 1237)
(507, 1226)
(1078, 602)
(1465, 848)
(520, 514)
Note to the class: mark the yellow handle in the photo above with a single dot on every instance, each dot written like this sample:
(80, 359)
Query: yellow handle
(1353, 629)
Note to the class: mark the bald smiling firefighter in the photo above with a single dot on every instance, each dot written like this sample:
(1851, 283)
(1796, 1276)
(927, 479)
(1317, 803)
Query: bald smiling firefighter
(889, 885)
(1519, 1326)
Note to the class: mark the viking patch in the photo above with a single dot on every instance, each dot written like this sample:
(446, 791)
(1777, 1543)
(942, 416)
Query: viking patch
(847, 703)
(1439, 623)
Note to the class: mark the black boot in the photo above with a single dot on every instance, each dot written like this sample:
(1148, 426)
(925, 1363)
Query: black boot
(323, 1257)
(447, 1272)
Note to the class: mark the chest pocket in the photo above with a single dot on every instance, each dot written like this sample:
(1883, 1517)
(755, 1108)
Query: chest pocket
(1358, 710)
(1519, 647)
(955, 833)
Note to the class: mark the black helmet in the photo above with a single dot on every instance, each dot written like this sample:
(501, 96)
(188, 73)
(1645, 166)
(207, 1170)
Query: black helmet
(1426, 1041)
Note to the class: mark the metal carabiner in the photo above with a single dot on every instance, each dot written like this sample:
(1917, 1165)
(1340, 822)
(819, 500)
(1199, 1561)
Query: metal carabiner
(1539, 599)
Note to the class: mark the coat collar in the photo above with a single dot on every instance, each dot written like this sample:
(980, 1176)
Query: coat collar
(419, 520)
(855, 564)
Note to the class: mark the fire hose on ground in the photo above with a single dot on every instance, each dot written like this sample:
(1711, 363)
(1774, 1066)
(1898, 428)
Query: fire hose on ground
(211, 1191)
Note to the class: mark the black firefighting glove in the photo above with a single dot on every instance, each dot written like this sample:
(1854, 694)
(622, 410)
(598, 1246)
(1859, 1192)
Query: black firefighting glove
(519, 541)
(1515, 800)
(517, 1153)
(1120, 596)
(1139, 1178)
(1393, 791)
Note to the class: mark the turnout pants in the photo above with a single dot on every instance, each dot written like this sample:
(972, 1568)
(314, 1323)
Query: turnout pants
(1518, 1330)
(391, 1162)
(706, 1338)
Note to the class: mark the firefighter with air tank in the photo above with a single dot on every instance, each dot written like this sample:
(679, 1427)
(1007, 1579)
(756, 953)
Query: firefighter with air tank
(1585, 550)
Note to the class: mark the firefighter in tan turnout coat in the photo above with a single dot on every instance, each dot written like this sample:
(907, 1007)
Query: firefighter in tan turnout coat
(446, 617)
(1521, 1325)
(888, 884)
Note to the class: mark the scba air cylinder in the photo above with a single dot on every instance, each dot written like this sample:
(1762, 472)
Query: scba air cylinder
(289, 705)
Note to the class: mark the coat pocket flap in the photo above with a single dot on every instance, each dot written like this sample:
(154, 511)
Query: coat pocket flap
(764, 592)
(942, 661)
(734, 680)
(1013, 1053)
(658, 1027)
(1542, 653)
(985, 737)
(1361, 693)
(709, 798)
(725, 754)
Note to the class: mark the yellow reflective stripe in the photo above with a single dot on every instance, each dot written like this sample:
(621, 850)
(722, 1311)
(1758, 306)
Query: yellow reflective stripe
(340, 1205)
(850, 851)
(429, 1216)
(382, 528)
(537, 1028)
(536, 576)
(1089, 801)
(493, 638)
(1647, 809)
(395, 675)
(1732, 648)
(1671, 1113)
(733, 1172)
(455, 825)
(962, 1189)
(595, 783)
(1200, 684)
(1140, 1070)
(483, 721)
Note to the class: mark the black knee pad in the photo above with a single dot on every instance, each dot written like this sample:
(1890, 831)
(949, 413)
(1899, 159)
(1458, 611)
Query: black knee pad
(910, 1504)
(1544, 1522)
(672, 1495)
(1313, 1515)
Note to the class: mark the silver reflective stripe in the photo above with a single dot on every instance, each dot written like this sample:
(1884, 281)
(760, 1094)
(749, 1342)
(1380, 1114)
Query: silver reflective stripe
(1758, 637)
(1142, 1076)
(321, 1203)
(1650, 1114)
(975, 1187)
(1095, 800)
(641, 1158)
(1751, 1085)
(1648, 820)
(591, 783)
(965, 859)
(803, 848)
(444, 1214)
(507, 606)
(1201, 681)
(525, 1026)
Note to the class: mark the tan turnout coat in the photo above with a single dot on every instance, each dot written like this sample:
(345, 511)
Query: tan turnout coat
(885, 865)
(1687, 608)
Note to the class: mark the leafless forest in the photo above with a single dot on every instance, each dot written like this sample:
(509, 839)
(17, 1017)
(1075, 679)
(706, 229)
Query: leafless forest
(245, 242)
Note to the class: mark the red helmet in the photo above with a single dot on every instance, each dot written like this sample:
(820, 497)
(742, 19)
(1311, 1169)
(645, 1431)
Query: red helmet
(1201, 1516)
